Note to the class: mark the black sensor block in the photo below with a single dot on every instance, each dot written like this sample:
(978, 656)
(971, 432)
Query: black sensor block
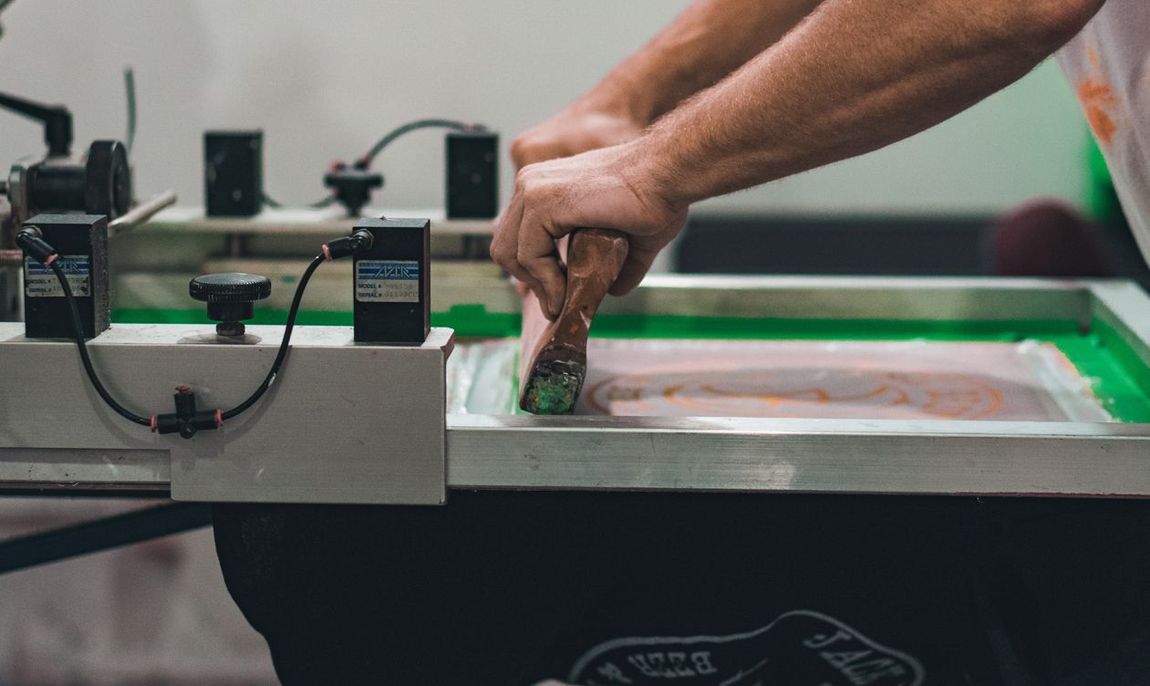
(393, 282)
(81, 241)
(472, 175)
(233, 173)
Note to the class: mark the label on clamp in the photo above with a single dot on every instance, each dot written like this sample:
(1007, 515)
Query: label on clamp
(41, 281)
(387, 281)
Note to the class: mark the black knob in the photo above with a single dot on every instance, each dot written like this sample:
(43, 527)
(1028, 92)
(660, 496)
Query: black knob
(108, 180)
(230, 297)
(352, 186)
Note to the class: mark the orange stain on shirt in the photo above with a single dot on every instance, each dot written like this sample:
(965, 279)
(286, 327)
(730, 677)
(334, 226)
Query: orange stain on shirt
(1097, 98)
(1092, 55)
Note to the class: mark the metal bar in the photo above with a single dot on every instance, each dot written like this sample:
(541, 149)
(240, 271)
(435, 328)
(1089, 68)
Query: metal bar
(896, 299)
(11, 258)
(680, 454)
(84, 469)
(289, 221)
(845, 298)
(576, 453)
(141, 213)
(111, 490)
(102, 534)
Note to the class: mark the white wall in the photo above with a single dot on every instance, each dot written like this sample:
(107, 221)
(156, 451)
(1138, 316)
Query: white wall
(323, 79)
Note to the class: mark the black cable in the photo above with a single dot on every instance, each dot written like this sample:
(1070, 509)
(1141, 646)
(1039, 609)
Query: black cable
(78, 332)
(86, 360)
(292, 313)
(366, 160)
(31, 241)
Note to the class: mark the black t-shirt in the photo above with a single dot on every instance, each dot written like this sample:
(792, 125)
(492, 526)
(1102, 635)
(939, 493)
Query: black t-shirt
(717, 589)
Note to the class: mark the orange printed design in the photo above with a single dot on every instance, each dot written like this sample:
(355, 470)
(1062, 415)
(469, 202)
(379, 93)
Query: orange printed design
(789, 393)
(1097, 98)
(834, 380)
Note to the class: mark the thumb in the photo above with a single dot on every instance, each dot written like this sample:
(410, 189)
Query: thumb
(539, 257)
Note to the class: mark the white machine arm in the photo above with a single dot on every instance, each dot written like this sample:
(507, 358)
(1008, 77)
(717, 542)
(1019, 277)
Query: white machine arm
(344, 423)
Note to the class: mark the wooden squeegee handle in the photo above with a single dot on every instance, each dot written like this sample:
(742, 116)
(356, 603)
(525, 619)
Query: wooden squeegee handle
(553, 363)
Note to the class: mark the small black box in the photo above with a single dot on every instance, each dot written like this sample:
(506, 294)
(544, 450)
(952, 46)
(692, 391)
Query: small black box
(81, 241)
(233, 173)
(393, 282)
(472, 175)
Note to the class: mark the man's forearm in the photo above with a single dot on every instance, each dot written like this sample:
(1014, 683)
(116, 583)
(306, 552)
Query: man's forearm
(709, 40)
(854, 76)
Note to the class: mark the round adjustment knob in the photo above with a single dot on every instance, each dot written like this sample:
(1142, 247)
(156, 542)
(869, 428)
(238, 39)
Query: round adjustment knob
(108, 180)
(230, 297)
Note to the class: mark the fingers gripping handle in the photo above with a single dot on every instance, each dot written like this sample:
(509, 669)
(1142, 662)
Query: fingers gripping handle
(553, 358)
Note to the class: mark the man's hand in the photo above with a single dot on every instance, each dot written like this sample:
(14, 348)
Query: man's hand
(597, 189)
(704, 44)
(579, 128)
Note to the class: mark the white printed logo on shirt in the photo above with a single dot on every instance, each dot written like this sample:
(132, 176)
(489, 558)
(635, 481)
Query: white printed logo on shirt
(802, 647)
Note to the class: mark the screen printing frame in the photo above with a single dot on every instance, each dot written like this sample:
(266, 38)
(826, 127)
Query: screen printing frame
(768, 455)
(944, 457)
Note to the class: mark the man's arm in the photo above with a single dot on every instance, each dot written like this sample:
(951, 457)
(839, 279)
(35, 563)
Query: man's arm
(854, 76)
(709, 40)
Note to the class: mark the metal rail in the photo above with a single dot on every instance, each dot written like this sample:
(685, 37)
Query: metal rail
(765, 455)
(141, 213)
